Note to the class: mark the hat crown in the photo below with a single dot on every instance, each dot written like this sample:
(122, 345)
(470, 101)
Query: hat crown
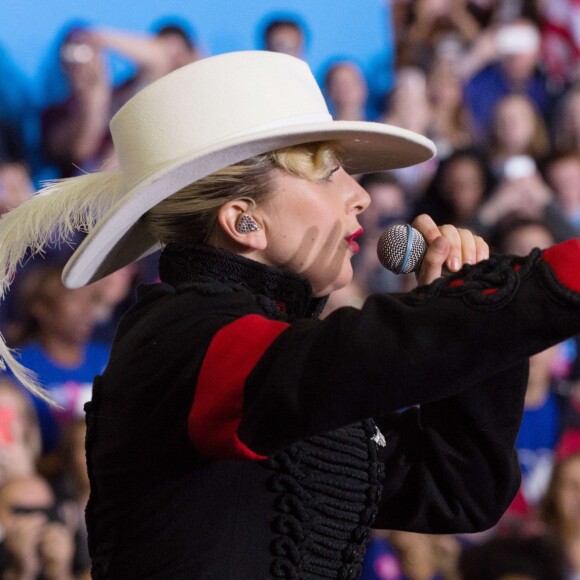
(209, 102)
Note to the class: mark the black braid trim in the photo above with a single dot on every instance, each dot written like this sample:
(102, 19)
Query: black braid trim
(487, 285)
(328, 488)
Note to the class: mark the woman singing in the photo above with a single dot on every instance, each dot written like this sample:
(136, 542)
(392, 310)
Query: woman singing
(233, 434)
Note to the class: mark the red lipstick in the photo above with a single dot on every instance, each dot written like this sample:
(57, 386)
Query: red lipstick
(351, 240)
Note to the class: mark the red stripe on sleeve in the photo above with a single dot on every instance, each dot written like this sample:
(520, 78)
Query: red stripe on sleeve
(219, 397)
(564, 259)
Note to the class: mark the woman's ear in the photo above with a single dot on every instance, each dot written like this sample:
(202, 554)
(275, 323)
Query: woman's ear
(239, 222)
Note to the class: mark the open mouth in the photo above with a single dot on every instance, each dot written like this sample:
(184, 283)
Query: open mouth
(351, 241)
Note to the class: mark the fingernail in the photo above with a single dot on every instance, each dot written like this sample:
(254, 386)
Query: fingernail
(455, 264)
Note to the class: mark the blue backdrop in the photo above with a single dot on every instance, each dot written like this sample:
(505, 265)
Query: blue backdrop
(359, 29)
(30, 31)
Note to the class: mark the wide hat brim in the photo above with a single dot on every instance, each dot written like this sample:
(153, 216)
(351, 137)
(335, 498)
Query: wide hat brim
(120, 238)
(212, 114)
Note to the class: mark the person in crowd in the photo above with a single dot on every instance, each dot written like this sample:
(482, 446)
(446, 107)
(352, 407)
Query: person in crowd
(81, 121)
(20, 443)
(408, 107)
(515, 70)
(54, 340)
(227, 407)
(36, 542)
(561, 40)
(560, 507)
(428, 23)
(170, 47)
(346, 91)
(450, 129)
(566, 122)
(523, 193)
(72, 488)
(461, 184)
(561, 170)
(285, 34)
(75, 132)
(535, 557)
(15, 185)
(545, 406)
(17, 112)
(115, 294)
(518, 129)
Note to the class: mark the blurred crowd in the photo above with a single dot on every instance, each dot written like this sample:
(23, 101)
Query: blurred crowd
(496, 85)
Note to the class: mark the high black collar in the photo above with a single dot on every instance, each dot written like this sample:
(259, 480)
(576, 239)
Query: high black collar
(286, 293)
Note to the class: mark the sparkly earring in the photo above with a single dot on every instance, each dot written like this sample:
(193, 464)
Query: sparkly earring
(246, 223)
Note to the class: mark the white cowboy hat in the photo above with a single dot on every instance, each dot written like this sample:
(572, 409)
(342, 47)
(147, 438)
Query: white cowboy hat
(211, 114)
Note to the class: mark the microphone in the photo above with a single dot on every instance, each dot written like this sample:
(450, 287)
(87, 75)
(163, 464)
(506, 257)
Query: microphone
(401, 249)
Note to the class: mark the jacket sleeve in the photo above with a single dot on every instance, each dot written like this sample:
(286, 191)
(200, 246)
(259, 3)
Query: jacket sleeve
(457, 454)
(397, 352)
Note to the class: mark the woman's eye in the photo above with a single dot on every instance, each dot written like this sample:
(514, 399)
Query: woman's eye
(333, 171)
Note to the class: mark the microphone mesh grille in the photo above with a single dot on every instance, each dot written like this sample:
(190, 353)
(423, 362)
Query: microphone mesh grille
(392, 248)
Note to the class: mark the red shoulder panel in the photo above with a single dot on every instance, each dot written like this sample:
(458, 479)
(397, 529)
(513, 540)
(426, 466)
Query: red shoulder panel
(218, 403)
(564, 259)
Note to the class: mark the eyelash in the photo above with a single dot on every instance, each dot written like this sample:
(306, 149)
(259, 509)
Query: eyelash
(332, 172)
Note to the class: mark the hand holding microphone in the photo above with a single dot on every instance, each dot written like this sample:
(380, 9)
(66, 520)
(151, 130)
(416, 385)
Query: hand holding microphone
(428, 249)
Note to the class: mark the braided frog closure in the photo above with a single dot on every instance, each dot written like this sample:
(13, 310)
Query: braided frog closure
(488, 285)
(327, 492)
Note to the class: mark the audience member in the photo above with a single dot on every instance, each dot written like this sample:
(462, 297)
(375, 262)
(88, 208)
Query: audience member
(430, 22)
(54, 341)
(545, 408)
(517, 129)
(566, 124)
(562, 172)
(15, 185)
(408, 107)
(115, 295)
(346, 91)
(560, 510)
(515, 558)
(36, 542)
(561, 40)
(516, 70)
(286, 34)
(426, 557)
(72, 489)
(381, 562)
(20, 443)
(170, 47)
(75, 132)
(17, 114)
(450, 120)
(522, 193)
(460, 185)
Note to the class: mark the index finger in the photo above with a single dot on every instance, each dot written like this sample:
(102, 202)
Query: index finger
(428, 228)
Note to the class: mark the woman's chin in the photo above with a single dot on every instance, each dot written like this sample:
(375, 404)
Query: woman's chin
(343, 280)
